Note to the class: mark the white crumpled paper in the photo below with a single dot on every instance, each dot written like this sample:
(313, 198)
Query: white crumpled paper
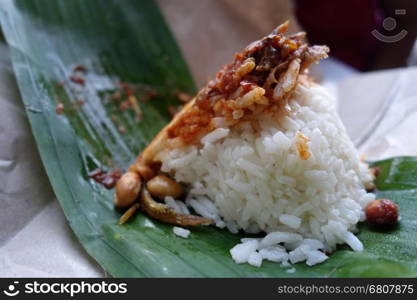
(379, 110)
(35, 239)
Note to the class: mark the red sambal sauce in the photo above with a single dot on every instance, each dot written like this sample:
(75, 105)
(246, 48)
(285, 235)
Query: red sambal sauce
(268, 53)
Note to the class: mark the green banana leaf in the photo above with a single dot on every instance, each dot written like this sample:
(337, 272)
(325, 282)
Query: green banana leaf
(128, 41)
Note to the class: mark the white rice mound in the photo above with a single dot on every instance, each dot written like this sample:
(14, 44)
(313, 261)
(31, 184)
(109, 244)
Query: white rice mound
(254, 179)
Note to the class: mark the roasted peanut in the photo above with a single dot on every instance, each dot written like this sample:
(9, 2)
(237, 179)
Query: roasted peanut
(127, 189)
(161, 186)
(381, 212)
(375, 171)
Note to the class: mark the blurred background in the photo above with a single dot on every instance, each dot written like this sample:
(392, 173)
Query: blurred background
(364, 35)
